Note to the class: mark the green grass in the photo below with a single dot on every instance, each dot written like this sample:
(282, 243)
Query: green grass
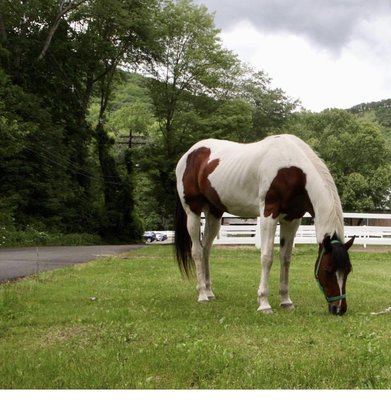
(133, 322)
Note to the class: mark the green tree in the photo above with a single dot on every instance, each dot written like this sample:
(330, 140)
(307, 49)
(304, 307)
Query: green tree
(124, 36)
(272, 109)
(356, 152)
(231, 119)
(131, 122)
(193, 64)
(48, 74)
(59, 54)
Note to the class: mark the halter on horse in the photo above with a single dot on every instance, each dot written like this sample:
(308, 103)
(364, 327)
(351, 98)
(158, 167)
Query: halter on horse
(279, 179)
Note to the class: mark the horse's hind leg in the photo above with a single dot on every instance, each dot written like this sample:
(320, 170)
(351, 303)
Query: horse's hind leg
(287, 235)
(193, 227)
(268, 230)
(212, 227)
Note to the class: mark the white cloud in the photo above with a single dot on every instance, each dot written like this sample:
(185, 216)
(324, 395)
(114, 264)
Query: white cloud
(319, 77)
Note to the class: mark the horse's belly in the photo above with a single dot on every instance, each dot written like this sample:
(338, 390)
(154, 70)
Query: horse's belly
(240, 201)
(245, 211)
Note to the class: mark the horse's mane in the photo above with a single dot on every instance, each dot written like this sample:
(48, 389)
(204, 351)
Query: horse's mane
(333, 222)
(341, 258)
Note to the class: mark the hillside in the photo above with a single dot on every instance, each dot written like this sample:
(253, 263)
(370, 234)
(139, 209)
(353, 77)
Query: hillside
(379, 111)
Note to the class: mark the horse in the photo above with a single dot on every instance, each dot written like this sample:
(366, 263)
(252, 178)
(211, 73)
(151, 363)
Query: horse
(279, 179)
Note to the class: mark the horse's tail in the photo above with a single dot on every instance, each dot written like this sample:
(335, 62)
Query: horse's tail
(182, 240)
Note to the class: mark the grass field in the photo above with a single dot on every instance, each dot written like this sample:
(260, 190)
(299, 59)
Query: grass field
(133, 323)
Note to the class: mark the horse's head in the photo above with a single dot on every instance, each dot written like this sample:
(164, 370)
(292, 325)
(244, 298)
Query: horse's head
(331, 271)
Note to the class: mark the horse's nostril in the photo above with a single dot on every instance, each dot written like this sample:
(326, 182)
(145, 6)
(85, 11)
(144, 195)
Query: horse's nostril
(336, 310)
(341, 311)
(333, 309)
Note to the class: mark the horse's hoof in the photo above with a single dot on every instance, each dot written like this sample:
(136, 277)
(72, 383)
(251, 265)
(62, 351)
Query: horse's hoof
(203, 300)
(211, 296)
(287, 306)
(265, 310)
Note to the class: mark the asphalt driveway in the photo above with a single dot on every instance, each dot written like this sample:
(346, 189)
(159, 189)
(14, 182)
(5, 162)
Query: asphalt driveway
(19, 262)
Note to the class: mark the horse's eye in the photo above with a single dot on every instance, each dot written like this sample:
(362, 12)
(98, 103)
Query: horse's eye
(329, 269)
(329, 273)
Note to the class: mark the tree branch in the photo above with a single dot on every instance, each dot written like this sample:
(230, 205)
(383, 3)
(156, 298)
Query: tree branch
(62, 11)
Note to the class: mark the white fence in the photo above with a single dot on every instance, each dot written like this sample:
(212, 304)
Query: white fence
(236, 230)
(246, 232)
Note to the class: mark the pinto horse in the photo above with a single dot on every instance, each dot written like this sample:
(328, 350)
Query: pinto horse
(279, 179)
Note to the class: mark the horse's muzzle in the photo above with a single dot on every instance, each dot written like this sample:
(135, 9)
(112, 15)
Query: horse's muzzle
(336, 309)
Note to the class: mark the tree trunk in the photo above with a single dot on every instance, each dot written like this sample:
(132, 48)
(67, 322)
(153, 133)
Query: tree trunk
(62, 11)
(3, 32)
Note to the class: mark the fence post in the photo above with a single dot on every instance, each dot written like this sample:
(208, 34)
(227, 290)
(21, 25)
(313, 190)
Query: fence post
(366, 236)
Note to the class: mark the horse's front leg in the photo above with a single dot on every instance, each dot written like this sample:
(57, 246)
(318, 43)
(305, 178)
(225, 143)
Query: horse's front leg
(287, 235)
(268, 230)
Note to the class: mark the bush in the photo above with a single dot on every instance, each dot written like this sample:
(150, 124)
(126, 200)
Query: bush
(10, 237)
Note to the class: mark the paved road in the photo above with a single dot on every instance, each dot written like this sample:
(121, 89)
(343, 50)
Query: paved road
(19, 262)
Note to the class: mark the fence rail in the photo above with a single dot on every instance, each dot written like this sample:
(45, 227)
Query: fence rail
(243, 232)
(236, 230)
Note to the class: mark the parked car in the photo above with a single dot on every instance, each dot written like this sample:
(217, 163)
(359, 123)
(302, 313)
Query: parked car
(149, 236)
(160, 237)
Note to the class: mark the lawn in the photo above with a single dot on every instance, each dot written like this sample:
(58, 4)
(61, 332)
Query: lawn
(132, 322)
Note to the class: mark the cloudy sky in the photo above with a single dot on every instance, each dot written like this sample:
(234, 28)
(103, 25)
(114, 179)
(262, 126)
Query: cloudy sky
(327, 53)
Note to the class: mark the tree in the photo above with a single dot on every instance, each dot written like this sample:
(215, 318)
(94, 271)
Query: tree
(131, 112)
(192, 64)
(59, 54)
(272, 109)
(35, 192)
(124, 36)
(229, 119)
(55, 157)
(130, 121)
(356, 154)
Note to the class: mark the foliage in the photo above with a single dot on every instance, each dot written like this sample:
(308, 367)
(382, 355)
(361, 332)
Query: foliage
(271, 108)
(87, 146)
(133, 323)
(31, 236)
(357, 154)
(377, 111)
(121, 29)
(34, 177)
(56, 54)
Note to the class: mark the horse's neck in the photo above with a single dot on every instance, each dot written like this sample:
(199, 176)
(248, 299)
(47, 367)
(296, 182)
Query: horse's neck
(328, 212)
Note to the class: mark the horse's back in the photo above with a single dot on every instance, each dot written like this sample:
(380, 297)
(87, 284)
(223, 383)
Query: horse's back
(279, 143)
(239, 175)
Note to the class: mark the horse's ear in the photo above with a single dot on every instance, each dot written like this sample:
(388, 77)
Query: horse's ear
(349, 244)
(327, 244)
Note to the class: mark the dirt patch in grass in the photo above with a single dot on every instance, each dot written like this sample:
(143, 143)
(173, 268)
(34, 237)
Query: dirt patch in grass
(59, 335)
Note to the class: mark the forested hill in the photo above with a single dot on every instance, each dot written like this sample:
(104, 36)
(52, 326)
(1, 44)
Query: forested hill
(383, 106)
(379, 111)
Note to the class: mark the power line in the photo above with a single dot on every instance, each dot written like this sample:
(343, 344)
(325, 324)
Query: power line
(78, 170)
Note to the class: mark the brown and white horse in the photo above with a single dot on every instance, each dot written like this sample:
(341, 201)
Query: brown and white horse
(279, 179)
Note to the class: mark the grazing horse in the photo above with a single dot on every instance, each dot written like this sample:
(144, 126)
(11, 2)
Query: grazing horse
(279, 179)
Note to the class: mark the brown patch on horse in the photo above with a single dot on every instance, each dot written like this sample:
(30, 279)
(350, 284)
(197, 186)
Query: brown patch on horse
(287, 195)
(198, 190)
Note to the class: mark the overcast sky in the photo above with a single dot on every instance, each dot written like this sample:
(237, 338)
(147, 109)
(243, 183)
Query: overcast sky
(327, 53)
